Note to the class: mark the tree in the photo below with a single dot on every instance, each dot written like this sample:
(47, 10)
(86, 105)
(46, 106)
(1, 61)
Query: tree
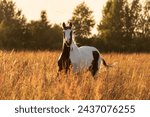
(39, 32)
(56, 37)
(12, 25)
(132, 19)
(42, 35)
(145, 19)
(110, 27)
(143, 29)
(82, 21)
(125, 26)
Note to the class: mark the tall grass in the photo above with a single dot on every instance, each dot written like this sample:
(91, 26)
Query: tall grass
(32, 75)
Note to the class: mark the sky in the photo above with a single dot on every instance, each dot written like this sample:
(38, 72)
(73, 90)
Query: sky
(58, 11)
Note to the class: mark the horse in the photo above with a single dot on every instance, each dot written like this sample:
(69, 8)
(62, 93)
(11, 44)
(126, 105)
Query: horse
(80, 58)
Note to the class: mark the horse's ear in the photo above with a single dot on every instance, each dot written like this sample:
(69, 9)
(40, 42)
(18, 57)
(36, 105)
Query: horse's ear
(70, 24)
(64, 25)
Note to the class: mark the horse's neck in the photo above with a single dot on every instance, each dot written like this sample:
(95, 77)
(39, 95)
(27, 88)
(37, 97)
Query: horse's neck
(74, 47)
(65, 50)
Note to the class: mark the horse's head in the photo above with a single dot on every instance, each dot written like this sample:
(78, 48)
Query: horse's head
(67, 34)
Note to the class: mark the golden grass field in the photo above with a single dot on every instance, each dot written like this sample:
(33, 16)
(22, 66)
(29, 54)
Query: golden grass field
(32, 75)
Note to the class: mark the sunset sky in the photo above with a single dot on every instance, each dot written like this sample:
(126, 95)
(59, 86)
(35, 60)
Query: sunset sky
(57, 10)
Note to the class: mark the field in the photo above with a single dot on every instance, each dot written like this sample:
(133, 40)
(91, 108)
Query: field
(32, 75)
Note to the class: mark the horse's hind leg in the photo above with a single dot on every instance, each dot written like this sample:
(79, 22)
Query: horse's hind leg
(94, 65)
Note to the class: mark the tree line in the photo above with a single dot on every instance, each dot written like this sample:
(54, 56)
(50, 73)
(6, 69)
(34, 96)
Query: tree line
(124, 28)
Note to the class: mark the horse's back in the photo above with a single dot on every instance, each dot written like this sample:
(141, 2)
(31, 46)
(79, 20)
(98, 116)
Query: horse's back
(87, 57)
(88, 48)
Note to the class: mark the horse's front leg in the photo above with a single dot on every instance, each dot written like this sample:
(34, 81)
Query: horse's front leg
(75, 67)
(60, 66)
(67, 65)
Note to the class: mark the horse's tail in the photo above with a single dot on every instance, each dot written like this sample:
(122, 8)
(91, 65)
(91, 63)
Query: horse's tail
(107, 65)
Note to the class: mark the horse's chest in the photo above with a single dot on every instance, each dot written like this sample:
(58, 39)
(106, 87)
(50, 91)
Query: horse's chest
(75, 57)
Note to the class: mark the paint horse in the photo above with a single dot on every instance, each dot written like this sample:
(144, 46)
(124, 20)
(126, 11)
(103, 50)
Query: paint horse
(84, 57)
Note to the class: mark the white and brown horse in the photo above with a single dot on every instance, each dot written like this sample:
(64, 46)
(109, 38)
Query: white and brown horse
(81, 58)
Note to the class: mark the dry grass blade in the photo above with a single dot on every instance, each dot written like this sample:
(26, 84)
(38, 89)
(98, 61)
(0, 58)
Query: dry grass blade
(32, 75)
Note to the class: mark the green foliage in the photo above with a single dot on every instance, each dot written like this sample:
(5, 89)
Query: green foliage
(12, 24)
(42, 35)
(112, 24)
(39, 32)
(82, 21)
(123, 26)
(144, 22)
(16, 33)
(132, 20)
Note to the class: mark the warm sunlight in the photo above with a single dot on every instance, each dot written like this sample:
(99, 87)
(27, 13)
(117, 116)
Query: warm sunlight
(56, 53)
